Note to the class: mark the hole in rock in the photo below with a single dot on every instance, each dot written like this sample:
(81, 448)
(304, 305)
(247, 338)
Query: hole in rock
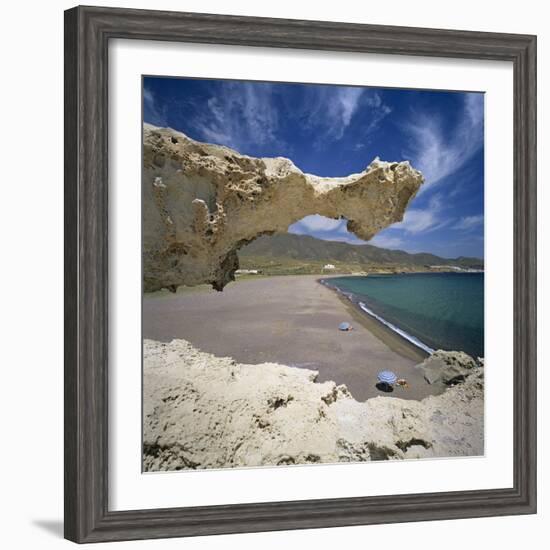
(313, 245)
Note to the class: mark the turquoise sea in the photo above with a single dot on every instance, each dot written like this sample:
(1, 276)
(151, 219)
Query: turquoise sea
(432, 310)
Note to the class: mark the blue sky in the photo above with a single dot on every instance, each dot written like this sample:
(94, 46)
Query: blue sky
(338, 130)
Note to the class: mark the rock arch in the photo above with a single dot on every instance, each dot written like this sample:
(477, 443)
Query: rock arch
(202, 202)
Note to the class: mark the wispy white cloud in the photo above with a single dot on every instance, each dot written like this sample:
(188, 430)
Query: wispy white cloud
(345, 237)
(242, 114)
(316, 223)
(379, 111)
(152, 112)
(387, 241)
(438, 153)
(148, 96)
(332, 110)
(347, 101)
(469, 222)
(422, 220)
(418, 221)
(324, 228)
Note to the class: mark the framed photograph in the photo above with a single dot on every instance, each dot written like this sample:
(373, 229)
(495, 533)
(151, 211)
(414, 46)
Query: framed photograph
(300, 263)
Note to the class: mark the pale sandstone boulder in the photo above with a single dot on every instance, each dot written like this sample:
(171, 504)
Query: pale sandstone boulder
(447, 367)
(202, 202)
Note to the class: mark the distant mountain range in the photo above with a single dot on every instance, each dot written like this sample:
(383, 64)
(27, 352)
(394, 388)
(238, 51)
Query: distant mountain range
(303, 248)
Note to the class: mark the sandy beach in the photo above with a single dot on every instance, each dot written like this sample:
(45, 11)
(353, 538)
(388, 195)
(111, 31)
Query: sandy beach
(291, 320)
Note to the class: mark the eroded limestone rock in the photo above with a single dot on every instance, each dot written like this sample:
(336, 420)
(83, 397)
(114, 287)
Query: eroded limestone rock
(202, 411)
(447, 367)
(202, 202)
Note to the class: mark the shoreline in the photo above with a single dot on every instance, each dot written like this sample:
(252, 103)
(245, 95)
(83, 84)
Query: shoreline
(381, 329)
(394, 341)
(182, 289)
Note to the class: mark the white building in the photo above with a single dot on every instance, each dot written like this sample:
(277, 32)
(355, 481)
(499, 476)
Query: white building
(329, 266)
(247, 272)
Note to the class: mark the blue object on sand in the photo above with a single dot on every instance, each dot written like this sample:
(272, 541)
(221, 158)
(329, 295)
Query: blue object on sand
(344, 326)
(387, 377)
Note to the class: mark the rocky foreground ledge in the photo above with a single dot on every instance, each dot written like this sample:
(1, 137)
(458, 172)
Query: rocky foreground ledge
(202, 411)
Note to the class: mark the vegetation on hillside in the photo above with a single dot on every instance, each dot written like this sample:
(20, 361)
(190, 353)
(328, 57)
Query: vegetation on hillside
(285, 254)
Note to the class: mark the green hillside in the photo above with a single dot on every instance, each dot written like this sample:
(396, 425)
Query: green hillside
(288, 253)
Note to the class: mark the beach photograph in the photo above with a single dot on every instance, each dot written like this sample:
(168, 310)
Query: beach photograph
(313, 274)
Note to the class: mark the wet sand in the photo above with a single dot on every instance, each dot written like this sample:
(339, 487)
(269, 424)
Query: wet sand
(291, 320)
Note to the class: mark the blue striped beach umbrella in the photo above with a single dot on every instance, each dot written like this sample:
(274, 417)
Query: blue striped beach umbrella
(344, 326)
(387, 377)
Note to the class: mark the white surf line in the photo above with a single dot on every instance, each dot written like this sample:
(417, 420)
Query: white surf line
(402, 333)
(412, 339)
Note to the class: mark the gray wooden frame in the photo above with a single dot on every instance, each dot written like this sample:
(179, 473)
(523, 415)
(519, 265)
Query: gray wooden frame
(87, 34)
